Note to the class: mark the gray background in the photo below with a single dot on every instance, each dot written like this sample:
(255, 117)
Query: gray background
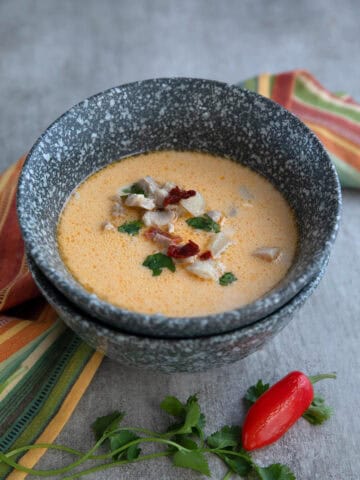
(55, 53)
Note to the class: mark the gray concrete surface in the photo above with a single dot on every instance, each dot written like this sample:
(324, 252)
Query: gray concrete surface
(55, 53)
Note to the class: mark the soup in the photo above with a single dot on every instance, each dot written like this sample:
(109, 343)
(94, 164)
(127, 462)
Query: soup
(177, 233)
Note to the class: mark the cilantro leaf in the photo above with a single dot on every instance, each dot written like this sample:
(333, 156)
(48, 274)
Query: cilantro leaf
(122, 438)
(157, 262)
(255, 391)
(107, 423)
(204, 223)
(239, 465)
(318, 412)
(192, 417)
(131, 228)
(173, 406)
(134, 189)
(227, 278)
(226, 437)
(276, 471)
(193, 460)
(186, 442)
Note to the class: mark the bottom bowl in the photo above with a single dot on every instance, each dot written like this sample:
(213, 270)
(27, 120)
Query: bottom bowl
(172, 355)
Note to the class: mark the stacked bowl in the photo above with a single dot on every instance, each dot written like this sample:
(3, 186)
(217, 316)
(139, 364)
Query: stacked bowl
(178, 114)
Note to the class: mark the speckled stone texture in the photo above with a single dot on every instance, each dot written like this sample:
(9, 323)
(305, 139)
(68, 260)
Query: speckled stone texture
(182, 114)
(171, 355)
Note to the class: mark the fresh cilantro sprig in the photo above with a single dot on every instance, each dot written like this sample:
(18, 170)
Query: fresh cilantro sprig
(134, 189)
(204, 222)
(184, 441)
(157, 262)
(316, 414)
(131, 228)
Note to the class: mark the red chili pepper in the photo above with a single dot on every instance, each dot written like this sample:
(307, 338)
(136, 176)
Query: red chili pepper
(175, 195)
(184, 251)
(206, 255)
(277, 410)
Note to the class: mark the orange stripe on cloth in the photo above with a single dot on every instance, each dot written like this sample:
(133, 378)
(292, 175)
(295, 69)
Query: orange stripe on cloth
(37, 327)
(10, 324)
(283, 88)
(57, 423)
(340, 147)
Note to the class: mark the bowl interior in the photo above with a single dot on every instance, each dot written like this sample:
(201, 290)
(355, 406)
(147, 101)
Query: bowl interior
(180, 114)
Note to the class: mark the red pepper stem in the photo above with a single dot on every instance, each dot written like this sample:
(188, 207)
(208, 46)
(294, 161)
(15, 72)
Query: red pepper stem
(322, 376)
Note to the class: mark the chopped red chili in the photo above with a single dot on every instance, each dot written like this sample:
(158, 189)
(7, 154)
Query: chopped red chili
(176, 194)
(188, 250)
(206, 255)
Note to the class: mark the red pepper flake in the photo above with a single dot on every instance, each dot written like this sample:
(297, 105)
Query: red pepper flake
(160, 236)
(206, 255)
(185, 251)
(176, 194)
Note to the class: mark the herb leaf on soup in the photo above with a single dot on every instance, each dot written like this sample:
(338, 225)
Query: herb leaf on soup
(227, 279)
(131, 228)
(204, 222)
(157, 262)
(135, 189)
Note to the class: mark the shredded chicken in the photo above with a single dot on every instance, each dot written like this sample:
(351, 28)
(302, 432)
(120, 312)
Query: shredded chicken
(159, 218)
(194, 205)
(148, 184)
(246, 196)
(117, 209)
(219, 243)
(185, 261)
(233, 211)
(139, 200)
(168, 186)
(208, 269)
(108, 226)
(159, 196)
(161, 237)
(215, 215)
(269, 254)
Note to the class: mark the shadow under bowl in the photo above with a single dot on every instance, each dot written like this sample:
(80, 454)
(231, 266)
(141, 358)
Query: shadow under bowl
(180, 114)
(171, 355)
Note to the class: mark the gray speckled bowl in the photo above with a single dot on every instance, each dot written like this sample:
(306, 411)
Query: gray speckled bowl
(168, 354)
(182, 114)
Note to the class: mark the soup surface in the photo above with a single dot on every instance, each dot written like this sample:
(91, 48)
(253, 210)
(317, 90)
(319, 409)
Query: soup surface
(256, 247)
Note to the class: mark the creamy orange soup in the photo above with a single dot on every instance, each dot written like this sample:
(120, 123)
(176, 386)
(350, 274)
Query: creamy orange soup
(109, 263)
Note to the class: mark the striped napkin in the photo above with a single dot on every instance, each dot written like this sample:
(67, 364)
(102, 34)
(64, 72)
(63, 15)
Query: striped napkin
(333, 117)
(44, 367)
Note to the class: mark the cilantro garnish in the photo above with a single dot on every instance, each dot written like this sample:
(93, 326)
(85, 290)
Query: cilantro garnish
(157, 262)
(204, 223)
(134, 189)
(131, 228)
(184, 442)
(227, 278)
(255, 391)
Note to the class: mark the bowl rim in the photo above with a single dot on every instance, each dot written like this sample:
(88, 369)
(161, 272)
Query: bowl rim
(266, 304)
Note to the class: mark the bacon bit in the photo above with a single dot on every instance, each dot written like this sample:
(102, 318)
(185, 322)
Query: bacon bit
(206, 255)
(175, 195)
(188, 250)
(160, 236)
